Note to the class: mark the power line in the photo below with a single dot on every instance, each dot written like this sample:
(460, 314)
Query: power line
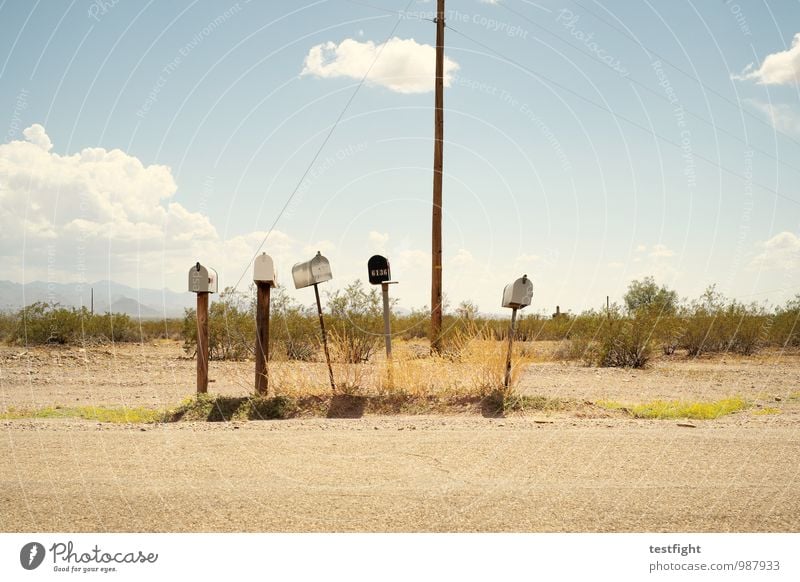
(400, 13)
(654, 92)
(621, 117)
(687, 74)
(320, 148)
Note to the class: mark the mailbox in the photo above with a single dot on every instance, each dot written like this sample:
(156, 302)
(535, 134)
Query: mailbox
(379, 271)
(518, 294)
(264, 270)
(317, 270)
(202, 279)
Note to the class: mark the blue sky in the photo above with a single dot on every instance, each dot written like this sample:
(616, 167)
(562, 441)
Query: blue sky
(175, 132)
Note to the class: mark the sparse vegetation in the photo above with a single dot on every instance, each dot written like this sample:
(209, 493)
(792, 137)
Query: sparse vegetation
(675, 409)
(651, 320)
(50, 323)
(123, 415)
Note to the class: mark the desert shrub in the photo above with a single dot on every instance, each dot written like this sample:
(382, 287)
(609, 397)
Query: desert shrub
(167, 328)
(785, 329)
(625, 342)
(414, 325)
(50, 323)
(356, 322)
(713, 323)
(8, 323)
(231, 327)
(294, 329)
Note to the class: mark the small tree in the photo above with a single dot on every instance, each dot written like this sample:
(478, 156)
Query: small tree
(646, 294)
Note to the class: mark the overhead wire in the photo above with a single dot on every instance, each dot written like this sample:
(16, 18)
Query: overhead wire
(619, 116)
(687, 74)
(320, 148)
(654, 92)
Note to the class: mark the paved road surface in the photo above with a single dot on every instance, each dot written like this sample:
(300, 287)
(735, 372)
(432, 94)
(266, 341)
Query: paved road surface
(401, 474)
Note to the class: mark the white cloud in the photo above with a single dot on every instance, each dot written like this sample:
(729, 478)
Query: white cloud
(781, 252)
(102, 214)
(462, 258)
(94, 194)
(377, 241)
(783, 117)
(615, 265)
(414, 258)
(37, 136)
(661, 251)
(781, 68)
(404, 65)
(526, 258)
(323, 246)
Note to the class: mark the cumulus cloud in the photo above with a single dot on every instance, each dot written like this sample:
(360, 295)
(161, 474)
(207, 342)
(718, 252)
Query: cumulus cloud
(661, 251)
(378, 240)
(781, 252)
(325, 247)
(103, 214)
(783, 117)
(462, 258)
(404, 65)
(37, 136)
(781, 68)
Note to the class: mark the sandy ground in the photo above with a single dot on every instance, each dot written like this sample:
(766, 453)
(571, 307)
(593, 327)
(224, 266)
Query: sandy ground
(558, 472)
(160, 375)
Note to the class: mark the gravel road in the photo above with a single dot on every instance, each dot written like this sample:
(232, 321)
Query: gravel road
(402, 474)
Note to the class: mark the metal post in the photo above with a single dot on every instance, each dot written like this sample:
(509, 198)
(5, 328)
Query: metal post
(507, 379)
(387, 324)
(262, 337)
(438, 151)
(202, 342)
(387, 331)
(324, 338)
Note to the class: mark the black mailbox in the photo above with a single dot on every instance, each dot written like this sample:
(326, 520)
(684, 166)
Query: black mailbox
(379, 271)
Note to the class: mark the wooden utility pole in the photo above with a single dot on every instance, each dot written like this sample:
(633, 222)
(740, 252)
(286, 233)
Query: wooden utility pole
(511, 331)
(202, 342)
(438, 150)
(262, 337)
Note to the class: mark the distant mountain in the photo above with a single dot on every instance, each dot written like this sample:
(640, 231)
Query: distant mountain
(108, 296)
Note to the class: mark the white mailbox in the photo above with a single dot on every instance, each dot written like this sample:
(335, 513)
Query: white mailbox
(518, 294)
(317, 270)
(264, 270)
(202, 279)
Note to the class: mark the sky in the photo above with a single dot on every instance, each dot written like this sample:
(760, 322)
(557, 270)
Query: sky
(587, 144)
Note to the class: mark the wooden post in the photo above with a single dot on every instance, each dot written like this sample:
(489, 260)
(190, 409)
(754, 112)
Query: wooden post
(324, 338)
(438, 151)
(262, 337)
(387, 331)
(202, 342)
(507, 379)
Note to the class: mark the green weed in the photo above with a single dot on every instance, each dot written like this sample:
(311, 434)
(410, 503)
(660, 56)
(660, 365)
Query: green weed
(675, 409)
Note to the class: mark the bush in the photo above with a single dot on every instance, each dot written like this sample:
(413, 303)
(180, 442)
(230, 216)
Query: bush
(231, 327)
(293, 328)
(626, 342)
(356, 322)
(785, 329)
(714, 324)
(49, 323)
